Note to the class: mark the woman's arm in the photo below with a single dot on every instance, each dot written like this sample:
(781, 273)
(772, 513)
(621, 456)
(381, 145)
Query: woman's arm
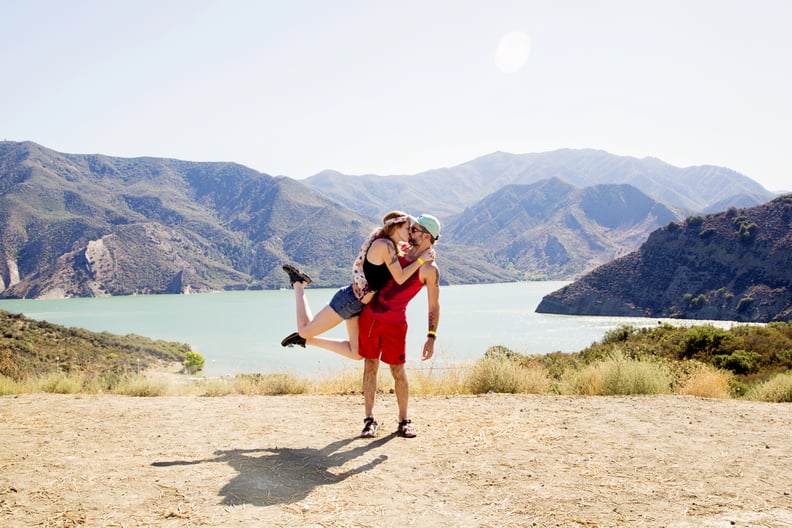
(385, 253)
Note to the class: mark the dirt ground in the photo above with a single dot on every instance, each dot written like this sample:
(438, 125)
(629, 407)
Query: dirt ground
(478, 461)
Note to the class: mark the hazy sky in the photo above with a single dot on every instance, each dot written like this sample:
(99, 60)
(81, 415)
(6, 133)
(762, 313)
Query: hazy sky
(292, 87)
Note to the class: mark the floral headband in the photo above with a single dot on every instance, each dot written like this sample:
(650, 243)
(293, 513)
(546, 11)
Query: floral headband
(397, 220)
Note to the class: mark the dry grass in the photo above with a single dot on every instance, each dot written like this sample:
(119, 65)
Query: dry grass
(616, 375)
(776, 389)
(619, 376)
(707, 382)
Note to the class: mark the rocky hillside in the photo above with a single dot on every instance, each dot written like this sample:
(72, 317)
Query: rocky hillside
(554, 230)
(85, 225)
(735, 265)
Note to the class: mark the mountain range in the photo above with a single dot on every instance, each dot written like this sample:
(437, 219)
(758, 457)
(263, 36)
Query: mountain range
(89, 225)
(448, 191)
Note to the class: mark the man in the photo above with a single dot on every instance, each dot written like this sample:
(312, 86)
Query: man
(383, 326)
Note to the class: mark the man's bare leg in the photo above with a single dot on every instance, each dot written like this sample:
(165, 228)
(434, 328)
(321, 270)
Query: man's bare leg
(402, 389)
(370, 368)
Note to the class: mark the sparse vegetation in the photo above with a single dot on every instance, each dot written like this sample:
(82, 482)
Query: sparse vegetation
(750, 361)
(776, 389)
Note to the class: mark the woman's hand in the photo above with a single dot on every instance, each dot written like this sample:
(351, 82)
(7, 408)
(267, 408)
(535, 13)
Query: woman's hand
(428, 255)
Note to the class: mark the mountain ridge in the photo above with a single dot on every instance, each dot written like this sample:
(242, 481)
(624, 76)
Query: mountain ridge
(449, 190)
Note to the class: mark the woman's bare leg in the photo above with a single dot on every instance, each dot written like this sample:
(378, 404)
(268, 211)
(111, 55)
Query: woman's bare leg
(344, 347)
(304, 315)
(308, 325)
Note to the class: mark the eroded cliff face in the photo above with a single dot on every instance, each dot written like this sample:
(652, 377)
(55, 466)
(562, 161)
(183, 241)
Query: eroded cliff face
(138, 259)
(10, 275)
(735, 265)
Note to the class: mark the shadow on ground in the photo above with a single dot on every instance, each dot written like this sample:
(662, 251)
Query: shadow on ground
(271, 476)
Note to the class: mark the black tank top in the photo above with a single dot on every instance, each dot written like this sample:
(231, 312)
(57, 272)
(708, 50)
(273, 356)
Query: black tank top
(376, 274)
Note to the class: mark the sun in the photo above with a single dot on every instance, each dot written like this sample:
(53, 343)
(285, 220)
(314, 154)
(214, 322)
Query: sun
(513, 51)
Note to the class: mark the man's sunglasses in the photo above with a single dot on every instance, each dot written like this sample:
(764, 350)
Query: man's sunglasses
(414, 229)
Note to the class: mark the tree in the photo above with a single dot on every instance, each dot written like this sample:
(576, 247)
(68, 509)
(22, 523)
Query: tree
(193, 362)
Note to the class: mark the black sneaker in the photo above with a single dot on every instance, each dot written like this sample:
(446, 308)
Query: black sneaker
(296, 275)
(293, 339)
(370, 428)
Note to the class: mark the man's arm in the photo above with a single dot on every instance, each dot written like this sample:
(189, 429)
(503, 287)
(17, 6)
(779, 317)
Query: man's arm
(430, 275)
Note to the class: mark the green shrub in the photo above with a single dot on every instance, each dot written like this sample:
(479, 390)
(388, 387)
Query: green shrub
(701, 342)
(619, 334)
(193, 362)
(739, 361)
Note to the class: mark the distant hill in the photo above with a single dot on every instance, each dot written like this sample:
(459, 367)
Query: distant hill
(75, 225)
(446, 192)
(29, 347)
(554, 230)
(84, 225)
(735, 265)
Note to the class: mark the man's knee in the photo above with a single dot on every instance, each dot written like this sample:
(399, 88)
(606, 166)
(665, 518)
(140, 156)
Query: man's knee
(398, 372)
(370, 365)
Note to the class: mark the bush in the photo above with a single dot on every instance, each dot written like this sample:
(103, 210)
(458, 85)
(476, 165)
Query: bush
(739, 361)
(193, 362)
(776, 389)
(619, 376)
(702, 342)
(619, 334)
(706, 382)
(504, 375)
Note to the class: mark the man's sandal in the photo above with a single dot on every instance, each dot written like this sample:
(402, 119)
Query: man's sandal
(370, 428)
(406, 429)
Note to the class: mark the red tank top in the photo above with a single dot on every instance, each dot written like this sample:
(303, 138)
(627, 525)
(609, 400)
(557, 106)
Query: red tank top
(390, 304)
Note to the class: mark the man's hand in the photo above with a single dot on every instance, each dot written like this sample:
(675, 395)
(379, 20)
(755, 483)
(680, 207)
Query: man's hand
(428, 349)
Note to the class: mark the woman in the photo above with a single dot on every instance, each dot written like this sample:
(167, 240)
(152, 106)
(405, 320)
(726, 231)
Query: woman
(377, 262)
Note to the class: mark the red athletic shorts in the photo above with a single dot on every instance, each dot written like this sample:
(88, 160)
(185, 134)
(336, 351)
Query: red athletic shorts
(384, 341)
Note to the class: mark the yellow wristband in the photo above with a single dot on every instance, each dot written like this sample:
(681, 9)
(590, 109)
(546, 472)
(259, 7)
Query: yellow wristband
(420, 261)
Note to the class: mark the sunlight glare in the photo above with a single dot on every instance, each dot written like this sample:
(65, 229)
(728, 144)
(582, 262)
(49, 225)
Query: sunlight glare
(512, 52)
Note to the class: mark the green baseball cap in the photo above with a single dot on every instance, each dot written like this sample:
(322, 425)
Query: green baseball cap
(430, 223)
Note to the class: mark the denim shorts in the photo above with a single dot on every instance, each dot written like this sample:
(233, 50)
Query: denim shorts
(346, 304)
